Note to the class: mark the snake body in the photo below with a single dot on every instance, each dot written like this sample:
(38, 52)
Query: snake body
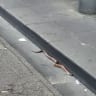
(56, 62)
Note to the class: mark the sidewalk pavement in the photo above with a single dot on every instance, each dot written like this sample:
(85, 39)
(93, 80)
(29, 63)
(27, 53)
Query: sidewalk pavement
(18, 78)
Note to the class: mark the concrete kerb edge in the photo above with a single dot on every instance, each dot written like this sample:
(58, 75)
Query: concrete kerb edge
(30, 67)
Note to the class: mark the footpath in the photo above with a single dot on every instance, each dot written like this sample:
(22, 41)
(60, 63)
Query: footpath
(18, 78)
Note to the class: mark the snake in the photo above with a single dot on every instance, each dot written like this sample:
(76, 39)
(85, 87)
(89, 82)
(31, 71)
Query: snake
(56, 62)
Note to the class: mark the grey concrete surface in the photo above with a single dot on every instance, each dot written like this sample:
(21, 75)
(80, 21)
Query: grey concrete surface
(74, 33)
(71, 89)
(17, 79)
(40, 62)
(59, 23)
